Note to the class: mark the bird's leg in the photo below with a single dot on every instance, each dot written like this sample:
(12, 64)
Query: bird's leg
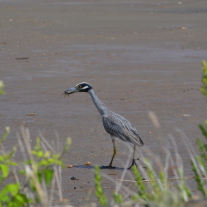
(110, 164)
(133, 160)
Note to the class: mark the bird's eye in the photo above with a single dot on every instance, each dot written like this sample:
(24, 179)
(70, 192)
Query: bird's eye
(79, 87)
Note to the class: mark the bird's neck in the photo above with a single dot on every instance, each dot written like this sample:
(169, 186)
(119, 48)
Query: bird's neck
(99, 105)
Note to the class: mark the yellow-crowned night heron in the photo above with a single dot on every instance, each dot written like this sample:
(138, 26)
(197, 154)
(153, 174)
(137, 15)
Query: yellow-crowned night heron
(114, 124)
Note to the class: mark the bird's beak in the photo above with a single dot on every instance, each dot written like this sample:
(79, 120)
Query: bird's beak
(71, 90)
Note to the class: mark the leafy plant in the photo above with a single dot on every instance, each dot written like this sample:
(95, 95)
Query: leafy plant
(41, 169)
(10, 194)
(203, 88)
(2, 87)
(199, 163)
(99, 189)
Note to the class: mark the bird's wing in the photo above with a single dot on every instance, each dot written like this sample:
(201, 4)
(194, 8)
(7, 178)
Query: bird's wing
(118, 126)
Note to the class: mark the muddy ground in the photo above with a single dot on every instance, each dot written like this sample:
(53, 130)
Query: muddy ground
(139, 56)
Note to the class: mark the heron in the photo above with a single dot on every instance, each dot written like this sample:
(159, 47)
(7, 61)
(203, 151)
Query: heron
(116, 125)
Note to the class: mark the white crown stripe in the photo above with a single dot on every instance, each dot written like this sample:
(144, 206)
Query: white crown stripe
(85, 87)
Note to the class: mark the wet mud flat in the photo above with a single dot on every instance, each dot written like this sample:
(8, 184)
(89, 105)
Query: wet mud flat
(139, 56)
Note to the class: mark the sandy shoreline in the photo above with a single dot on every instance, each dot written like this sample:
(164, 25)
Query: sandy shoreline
(139, 56)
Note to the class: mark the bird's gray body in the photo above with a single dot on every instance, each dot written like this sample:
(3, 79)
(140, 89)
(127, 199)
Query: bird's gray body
(121, 128)
(115, 124)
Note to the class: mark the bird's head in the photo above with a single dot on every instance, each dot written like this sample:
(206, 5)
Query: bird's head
(81, 87)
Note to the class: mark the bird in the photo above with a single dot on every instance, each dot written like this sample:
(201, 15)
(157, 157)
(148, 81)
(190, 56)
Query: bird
(115, 125)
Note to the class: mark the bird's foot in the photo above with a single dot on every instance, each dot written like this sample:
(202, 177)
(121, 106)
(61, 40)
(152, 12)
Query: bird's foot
(107, 167)
(133, 163)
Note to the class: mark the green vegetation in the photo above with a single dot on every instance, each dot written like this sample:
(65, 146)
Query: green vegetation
(99, 189)
(40, 172)
(199, 162)
(204, 79)
(2, 87)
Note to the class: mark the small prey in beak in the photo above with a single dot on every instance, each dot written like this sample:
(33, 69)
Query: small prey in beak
(70, 91)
